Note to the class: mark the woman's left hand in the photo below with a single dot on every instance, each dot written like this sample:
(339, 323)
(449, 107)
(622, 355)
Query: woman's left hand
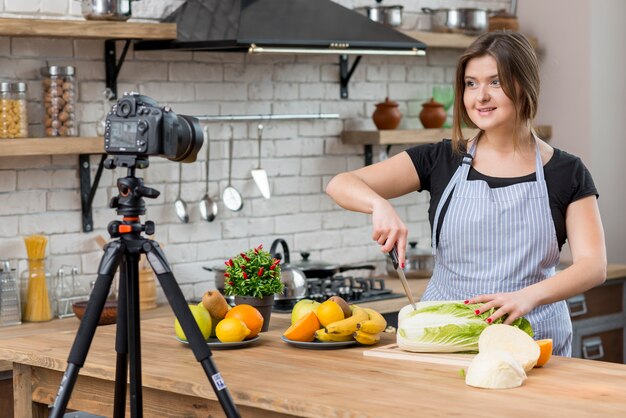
(515, 304)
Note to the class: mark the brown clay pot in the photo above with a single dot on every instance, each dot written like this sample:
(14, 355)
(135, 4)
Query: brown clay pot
(387, 115)
(433, 114)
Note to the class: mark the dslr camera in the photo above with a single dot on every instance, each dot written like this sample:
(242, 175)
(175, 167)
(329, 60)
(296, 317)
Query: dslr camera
(137, 127)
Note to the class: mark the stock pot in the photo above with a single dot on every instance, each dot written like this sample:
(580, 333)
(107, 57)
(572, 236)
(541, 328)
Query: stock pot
(468, 21)
(106, 9)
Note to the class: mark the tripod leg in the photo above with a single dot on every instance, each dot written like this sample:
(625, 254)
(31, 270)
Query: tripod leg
(110, 260)
(200, 349)
(121, 347)
(134, 332)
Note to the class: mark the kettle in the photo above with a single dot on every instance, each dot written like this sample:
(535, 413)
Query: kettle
(293, 278)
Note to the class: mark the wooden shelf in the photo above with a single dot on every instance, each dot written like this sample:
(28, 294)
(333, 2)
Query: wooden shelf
(86, 29)
(51, 146)
(449, 40)
(415, 136)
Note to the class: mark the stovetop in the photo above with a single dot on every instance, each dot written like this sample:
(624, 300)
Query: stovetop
(352, 289)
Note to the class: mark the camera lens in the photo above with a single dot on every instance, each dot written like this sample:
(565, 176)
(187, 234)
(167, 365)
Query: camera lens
(190, 139)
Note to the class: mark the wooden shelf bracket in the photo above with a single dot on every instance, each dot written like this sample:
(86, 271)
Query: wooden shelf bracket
(113, 67)
(345, 74)
(88, 190)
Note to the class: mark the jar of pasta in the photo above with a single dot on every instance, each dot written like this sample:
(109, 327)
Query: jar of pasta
(59, 98)
(13, 113)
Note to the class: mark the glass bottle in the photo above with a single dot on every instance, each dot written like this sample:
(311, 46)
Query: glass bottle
(36, 297)
(13, 110)
(59, 97)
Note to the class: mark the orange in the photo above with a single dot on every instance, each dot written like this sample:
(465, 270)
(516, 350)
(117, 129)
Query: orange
(329, 312)
(304, 328)
(545, 347)
(250, 316)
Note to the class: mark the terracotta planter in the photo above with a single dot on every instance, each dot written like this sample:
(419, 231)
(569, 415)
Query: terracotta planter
(387, 115)
(264, 305)
(433, 115)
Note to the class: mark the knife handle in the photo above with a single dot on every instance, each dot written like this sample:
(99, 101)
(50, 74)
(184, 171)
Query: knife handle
(394, 257)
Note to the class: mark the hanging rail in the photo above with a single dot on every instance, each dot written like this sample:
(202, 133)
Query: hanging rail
(88, 190)
(260, 118)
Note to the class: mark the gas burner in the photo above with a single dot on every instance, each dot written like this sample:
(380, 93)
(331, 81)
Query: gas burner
(352, 289)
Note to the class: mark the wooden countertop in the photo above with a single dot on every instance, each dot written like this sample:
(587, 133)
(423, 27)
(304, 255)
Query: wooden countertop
(274, 376)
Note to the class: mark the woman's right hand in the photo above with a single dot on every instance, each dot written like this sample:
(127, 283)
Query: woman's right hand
(388, 229)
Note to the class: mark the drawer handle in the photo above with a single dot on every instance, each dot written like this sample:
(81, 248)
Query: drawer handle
(577, 305)
(593, 345)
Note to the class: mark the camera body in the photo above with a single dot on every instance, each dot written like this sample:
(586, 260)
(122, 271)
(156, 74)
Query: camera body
(137, 126)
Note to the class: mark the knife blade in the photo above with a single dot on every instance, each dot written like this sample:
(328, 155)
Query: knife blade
(396, 264)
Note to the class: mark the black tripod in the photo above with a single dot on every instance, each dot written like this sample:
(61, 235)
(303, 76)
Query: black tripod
(125, 252)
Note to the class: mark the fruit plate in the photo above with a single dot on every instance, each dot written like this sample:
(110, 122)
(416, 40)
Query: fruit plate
(216, 344)
(318, 345)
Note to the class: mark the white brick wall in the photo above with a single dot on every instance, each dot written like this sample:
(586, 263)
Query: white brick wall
(40, 194)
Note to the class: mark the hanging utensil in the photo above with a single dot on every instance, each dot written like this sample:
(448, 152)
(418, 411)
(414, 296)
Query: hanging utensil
(208, 207)
(180, 204)
(231, 196)
(396, 264)
(260, 175)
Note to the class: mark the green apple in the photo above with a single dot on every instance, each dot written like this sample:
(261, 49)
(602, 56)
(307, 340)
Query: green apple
(203, 319)
(302, 308)
(214, 320)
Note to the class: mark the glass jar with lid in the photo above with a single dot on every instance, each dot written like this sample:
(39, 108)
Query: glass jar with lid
(13, 111)
(59, 97)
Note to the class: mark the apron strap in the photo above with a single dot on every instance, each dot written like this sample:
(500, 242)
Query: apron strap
(460, 173)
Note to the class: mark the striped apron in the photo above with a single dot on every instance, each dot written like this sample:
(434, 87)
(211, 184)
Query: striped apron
(499, 240)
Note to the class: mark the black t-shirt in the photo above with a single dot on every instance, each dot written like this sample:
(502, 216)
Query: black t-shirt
(566, 176)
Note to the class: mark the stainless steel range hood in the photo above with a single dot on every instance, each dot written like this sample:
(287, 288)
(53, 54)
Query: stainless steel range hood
(281, 26)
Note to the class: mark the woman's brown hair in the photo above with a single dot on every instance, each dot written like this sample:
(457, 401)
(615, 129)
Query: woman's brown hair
(518, 71)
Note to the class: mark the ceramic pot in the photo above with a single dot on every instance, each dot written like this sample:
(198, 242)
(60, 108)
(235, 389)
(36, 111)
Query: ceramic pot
(433, 115)
(387, 115)
(263, 305)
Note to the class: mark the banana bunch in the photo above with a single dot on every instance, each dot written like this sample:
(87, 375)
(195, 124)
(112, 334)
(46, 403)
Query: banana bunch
(364, 325)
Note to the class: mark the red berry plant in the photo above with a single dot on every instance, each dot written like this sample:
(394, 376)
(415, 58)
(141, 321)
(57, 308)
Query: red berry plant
(253, 273)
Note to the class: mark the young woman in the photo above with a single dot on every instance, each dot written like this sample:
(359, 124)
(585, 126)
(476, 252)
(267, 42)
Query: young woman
(502, 203)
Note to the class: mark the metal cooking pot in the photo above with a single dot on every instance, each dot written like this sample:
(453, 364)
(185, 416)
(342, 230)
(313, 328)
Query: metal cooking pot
(459, 20)
(292, 277)
(387, 15)
(106, 9)
(419, 263)
(316, 269)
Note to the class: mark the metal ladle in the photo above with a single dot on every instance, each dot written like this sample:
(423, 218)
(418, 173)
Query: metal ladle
(208, 207)
(231, 196)
(179, 204)
(258, 174)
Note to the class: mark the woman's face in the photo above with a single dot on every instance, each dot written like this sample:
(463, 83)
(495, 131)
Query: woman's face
(484, 99)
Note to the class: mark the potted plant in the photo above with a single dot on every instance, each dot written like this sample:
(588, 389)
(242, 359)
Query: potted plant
(253, 277)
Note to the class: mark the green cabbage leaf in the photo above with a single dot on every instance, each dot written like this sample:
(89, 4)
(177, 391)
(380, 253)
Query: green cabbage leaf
(446, 327)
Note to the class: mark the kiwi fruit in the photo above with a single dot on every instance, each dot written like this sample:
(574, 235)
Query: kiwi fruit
(215, 303)
(345, 307)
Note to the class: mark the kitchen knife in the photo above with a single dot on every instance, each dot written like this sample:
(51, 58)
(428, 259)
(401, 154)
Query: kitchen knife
(396, 264)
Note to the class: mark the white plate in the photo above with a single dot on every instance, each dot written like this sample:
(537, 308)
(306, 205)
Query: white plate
(318, 345)
(216, 344)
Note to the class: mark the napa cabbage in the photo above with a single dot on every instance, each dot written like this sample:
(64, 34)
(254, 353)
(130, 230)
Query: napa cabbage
(446, 327)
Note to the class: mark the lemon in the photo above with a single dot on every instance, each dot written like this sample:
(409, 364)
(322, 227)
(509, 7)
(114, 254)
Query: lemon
(329, 312)
(203, 319)
(231, 330)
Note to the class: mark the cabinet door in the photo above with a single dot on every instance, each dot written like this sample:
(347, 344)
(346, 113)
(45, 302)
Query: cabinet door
(599, 301)
(603, 346)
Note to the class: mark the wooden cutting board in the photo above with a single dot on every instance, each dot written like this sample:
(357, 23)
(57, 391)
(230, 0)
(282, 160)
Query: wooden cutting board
(393, 352)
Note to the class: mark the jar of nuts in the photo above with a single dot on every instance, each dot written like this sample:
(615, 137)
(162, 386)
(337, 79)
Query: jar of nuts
(59, 98)
(13, 113)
